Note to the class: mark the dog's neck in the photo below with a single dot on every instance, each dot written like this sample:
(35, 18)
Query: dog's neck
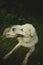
(33, 39)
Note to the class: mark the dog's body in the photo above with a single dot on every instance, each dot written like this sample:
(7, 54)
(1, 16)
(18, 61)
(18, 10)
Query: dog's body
(27, 37)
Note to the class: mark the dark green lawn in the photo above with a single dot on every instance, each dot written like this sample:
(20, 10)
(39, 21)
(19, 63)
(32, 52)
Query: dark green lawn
(7, 44)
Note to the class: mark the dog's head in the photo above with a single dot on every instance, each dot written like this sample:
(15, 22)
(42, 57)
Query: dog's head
(16, 31)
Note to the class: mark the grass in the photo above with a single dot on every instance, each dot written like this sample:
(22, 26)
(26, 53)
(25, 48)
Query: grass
(7, 44)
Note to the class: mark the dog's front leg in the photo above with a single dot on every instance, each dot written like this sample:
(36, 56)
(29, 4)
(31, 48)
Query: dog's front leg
(9, 53)
(28, 55)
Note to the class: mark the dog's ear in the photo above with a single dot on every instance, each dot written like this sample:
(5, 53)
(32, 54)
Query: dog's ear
(30, 29)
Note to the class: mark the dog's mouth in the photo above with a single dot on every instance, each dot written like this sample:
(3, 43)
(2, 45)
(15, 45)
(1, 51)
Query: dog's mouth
(18, 35)
(13, 36)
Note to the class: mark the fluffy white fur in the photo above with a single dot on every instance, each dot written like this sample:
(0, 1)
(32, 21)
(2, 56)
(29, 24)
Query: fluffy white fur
(27, 37)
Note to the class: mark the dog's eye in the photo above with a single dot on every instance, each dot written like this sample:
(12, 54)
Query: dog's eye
(21, 29)
(13, 29)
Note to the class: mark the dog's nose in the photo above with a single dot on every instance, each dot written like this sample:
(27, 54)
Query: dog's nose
(6, 31)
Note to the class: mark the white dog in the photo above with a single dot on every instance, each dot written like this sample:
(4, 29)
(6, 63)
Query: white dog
(27, 37)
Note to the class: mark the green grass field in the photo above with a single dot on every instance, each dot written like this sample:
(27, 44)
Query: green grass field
(7, 44)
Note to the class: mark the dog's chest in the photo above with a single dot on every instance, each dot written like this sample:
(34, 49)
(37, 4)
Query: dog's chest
(24, 39)
(27, 39)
